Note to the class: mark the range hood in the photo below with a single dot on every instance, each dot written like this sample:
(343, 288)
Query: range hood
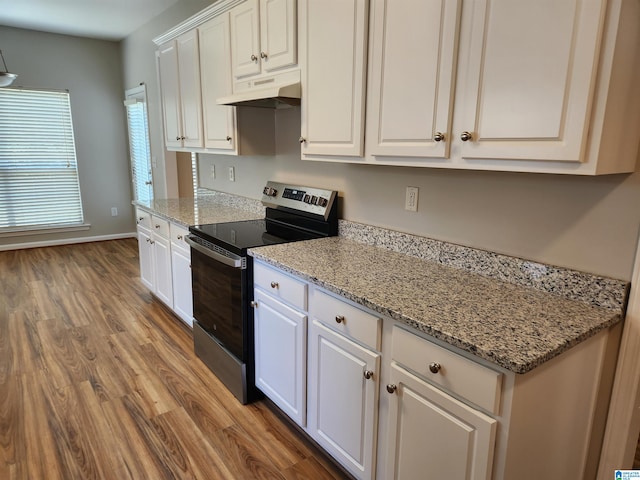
(265, 96)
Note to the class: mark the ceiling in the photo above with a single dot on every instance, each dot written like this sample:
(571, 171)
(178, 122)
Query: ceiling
(102, 19)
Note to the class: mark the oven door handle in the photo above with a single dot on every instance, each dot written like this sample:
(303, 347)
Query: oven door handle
(231, 262)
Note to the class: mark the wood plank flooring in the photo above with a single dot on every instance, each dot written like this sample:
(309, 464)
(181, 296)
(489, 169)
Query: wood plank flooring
(98, 380)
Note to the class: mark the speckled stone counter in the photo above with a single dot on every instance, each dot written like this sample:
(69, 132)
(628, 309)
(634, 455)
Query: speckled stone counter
(514, 326)
(210, 207)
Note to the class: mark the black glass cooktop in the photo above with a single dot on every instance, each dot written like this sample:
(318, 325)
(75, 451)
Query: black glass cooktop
(238, 236)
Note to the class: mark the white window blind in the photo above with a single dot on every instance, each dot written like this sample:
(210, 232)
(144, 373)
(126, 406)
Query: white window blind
(39, 185)
(139, 149)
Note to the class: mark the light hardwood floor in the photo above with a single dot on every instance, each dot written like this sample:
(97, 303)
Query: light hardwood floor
(99, 380)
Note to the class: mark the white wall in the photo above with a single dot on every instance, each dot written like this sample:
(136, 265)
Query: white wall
(585, 223)
(92, 72)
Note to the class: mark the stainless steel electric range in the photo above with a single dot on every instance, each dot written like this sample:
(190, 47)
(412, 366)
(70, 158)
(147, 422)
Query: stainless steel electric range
(222, 275)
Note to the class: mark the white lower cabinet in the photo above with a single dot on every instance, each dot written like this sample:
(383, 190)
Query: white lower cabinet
(181, 271)
(389, 402)
(343, 398)
(154, 248)
(165, 262)
(461, 448)
(281, 355)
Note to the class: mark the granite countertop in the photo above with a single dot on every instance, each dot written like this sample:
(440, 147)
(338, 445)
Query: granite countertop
(513, 326)
(214, 207)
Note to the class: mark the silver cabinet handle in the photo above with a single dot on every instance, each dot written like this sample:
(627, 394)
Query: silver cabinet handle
(228, 138)
(178, 138)
(179, 237)
(274, 285)
(438, 137)
(263, 55)
(254, 304)
(302, 140)
(157, 226)
(466, 136)
(368, 374)
(339, 318)
(254, 58)
(434, 367)
(391, 388)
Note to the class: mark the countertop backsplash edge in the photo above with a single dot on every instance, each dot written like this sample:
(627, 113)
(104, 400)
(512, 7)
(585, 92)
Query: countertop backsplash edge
(571, 284)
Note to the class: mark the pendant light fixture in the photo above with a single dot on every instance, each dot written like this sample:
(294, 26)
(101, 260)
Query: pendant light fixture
(6, 78)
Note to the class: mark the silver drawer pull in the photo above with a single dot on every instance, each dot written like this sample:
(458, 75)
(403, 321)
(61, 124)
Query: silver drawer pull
(274, 285)
(368, 374)
(254, 304)
(391, 388)
(339, 318)
(434, 367)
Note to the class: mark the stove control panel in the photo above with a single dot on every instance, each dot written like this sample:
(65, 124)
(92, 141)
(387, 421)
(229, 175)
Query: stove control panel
(306, 199)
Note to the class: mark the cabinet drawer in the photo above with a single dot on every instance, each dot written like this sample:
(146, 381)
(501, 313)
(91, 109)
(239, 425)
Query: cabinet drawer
(474, 382)
(160, 226)
(280, 285)
(143, 218)
(347, 319)
(178, 235)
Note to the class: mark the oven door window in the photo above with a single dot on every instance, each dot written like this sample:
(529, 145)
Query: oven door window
(217, 300)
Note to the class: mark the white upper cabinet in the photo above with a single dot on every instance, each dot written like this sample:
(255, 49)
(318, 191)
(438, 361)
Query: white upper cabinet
(215, 73)
(263, 37)
(413, 53)
(473, 84)
(333, 51)
(527, 74)
(278, 34)
(179, 71)
(167, 57)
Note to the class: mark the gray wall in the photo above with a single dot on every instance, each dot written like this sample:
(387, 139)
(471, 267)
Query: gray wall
(586, 223)
(92, 72)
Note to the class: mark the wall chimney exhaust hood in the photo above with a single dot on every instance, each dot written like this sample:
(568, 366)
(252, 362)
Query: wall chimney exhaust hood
(265, 96)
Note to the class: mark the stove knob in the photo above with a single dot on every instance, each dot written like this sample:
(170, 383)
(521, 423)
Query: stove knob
(314, 200)
(322, 201)
(307, 199)
(265, 191)
(270, 192)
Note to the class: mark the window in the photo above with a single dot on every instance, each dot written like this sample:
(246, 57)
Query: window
(139, 149)
(38, 170)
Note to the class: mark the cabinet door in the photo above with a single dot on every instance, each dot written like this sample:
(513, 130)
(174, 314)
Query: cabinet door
(278, 34)
(343, 404)
(167, 57)
(162, 262)
(245, 39)
(215, 74)
(281, 355)
(181, 276)
(433, 435)
(189, 80)
(333, 50)
(526, 78)
(411, 82)
(145, 252)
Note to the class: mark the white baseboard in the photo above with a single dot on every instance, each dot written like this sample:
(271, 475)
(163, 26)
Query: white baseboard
(67, 241)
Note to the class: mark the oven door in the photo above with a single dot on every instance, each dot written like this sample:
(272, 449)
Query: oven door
(219, 288)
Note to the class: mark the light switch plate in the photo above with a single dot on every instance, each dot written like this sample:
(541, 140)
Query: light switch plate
(232, 174)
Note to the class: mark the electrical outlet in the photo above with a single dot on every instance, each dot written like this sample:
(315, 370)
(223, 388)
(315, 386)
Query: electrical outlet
(213, 172)
(232, 174)
(411, 199)
(114, 212)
